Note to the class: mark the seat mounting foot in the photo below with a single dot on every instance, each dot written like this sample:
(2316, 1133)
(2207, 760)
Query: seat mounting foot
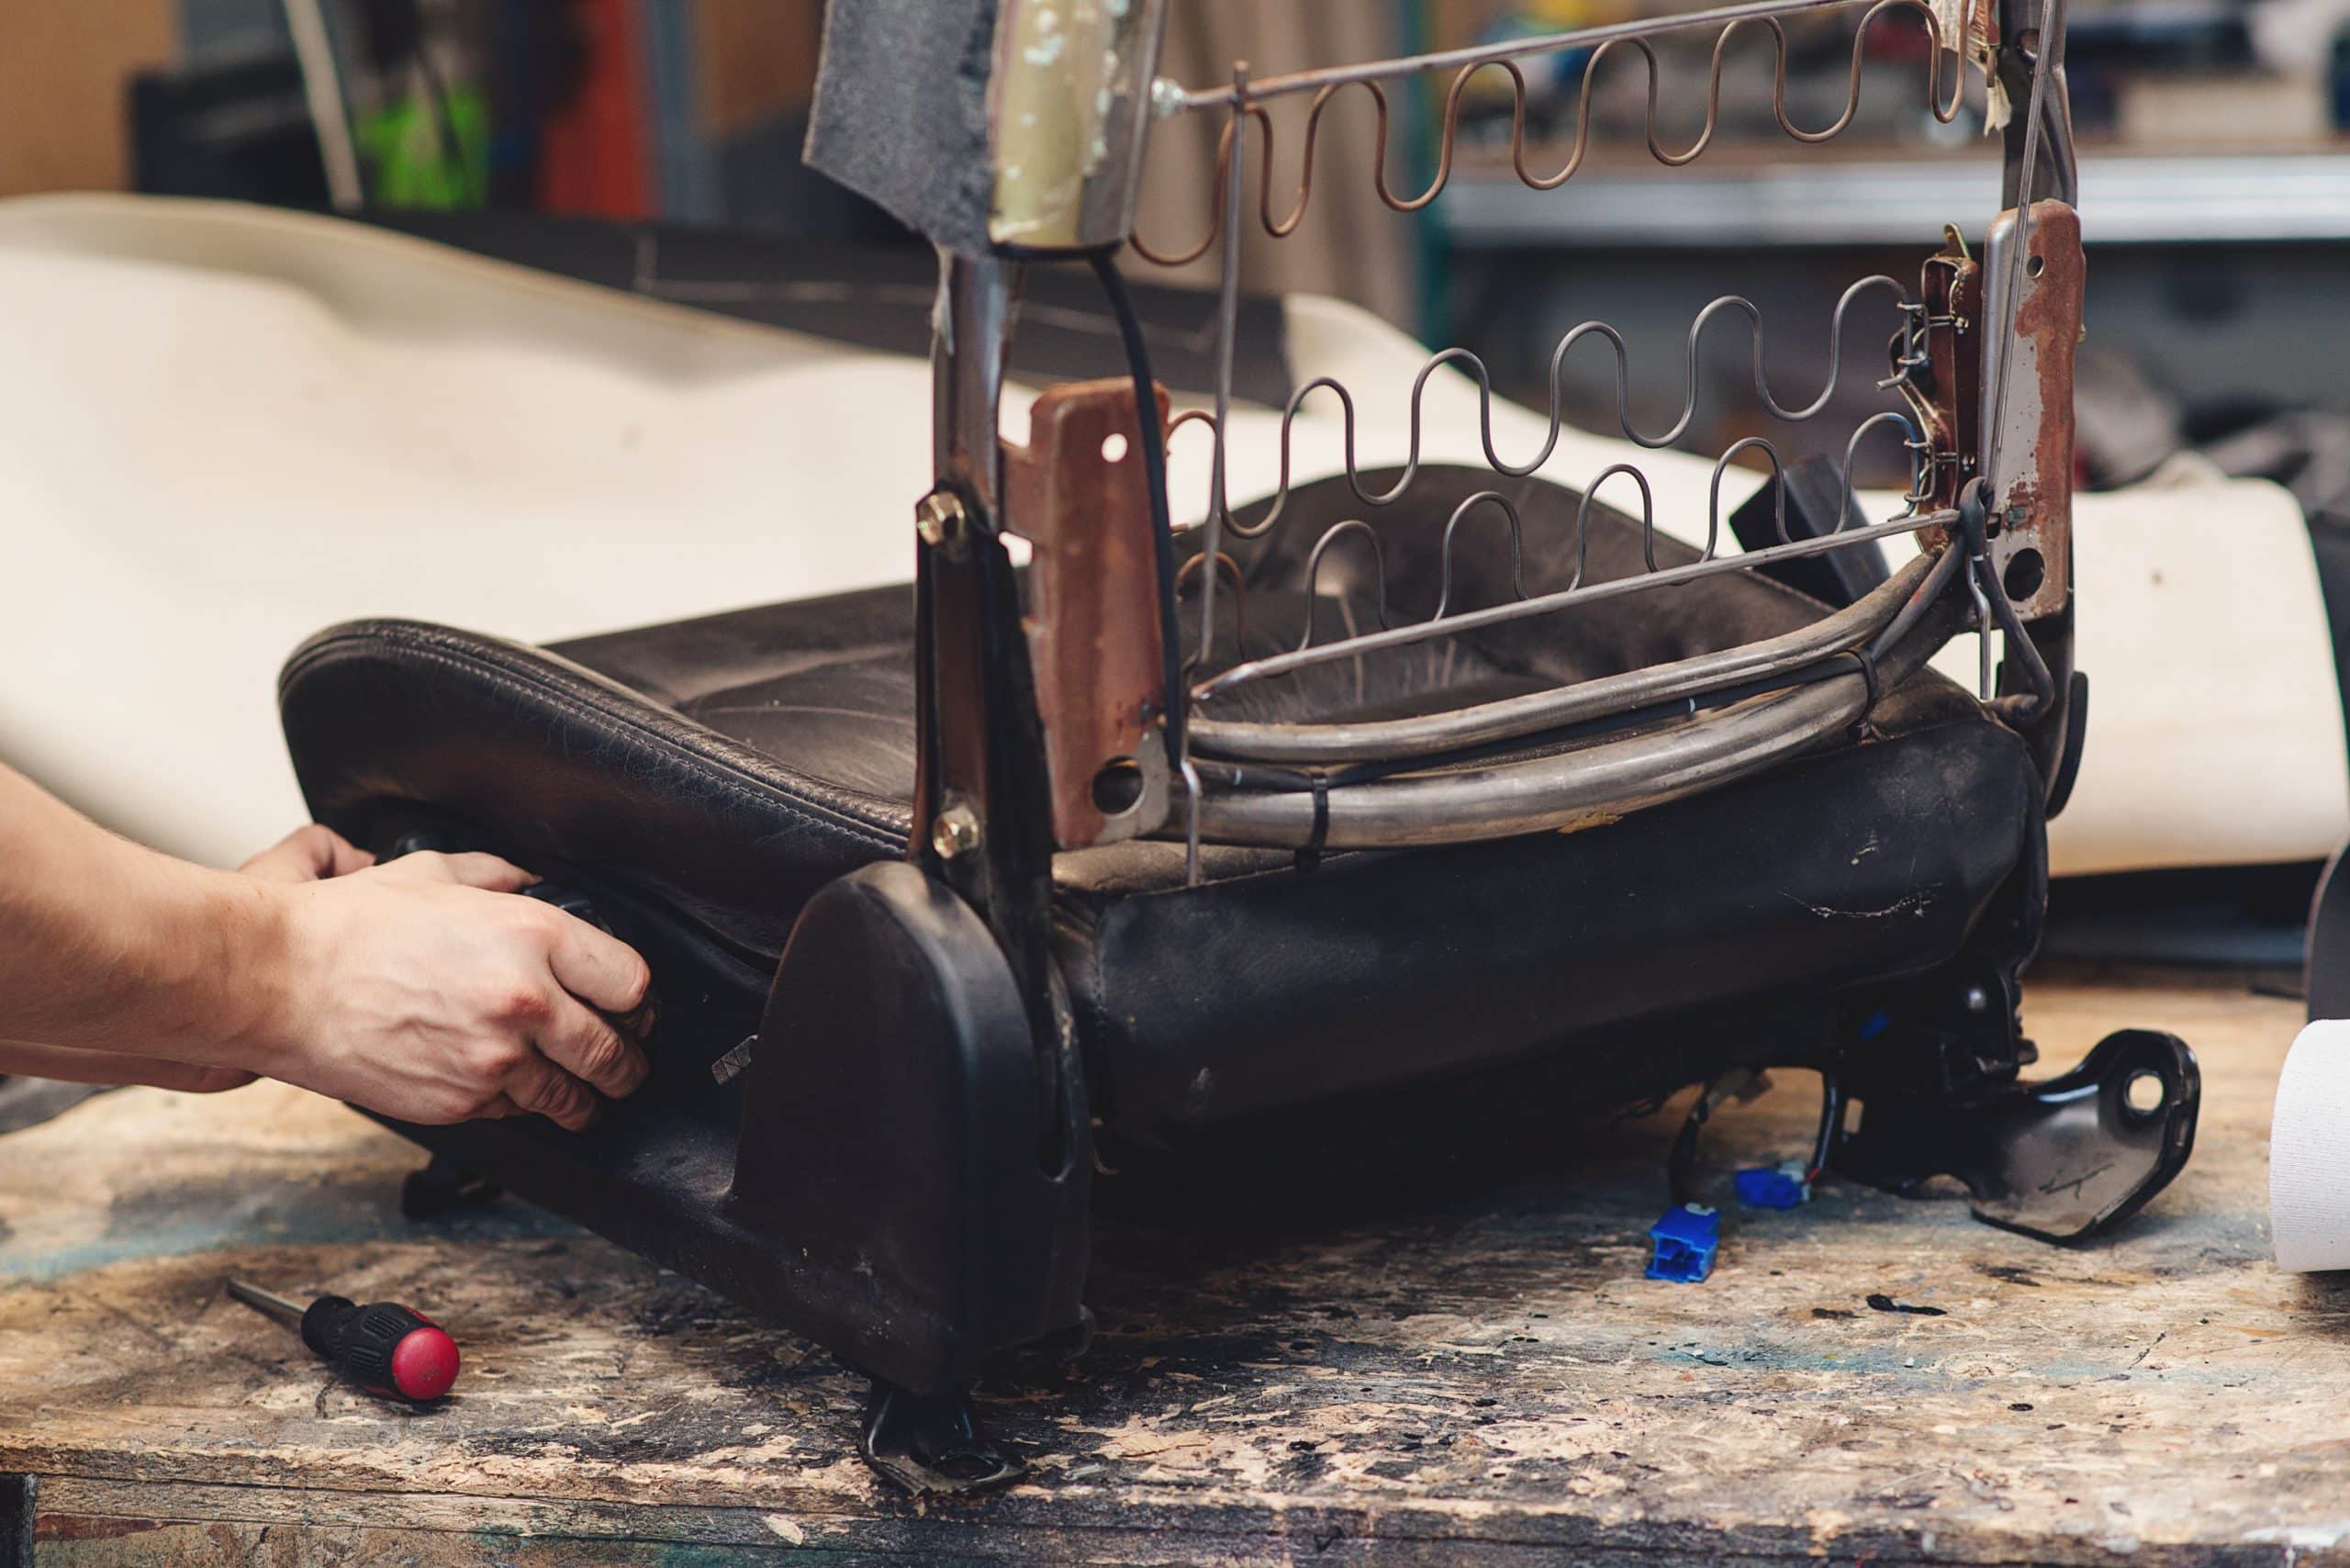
(932, 1444)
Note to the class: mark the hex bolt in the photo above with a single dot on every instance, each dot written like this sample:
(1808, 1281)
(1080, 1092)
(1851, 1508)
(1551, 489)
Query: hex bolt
(938, 518)
(954, 832)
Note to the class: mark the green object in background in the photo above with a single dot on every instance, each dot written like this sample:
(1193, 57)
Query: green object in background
(409, 160)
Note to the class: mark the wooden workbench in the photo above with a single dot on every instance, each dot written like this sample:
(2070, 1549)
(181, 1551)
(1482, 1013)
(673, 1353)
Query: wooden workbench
(1483, 1376)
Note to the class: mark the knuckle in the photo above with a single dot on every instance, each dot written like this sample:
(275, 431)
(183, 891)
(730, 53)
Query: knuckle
(518, 1002)
(492, 1059)
(539, 925)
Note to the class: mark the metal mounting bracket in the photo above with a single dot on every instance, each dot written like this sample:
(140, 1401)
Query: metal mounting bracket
(2061, 1160)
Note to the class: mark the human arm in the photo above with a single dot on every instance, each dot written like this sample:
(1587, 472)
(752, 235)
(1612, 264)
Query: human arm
(420, 988)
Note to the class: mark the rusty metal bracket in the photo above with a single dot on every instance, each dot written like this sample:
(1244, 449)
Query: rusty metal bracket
(1938, 367)
(1077, 494)
(2031, 519)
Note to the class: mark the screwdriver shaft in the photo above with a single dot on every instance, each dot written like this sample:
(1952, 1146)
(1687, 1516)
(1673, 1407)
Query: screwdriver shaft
(276, 1305)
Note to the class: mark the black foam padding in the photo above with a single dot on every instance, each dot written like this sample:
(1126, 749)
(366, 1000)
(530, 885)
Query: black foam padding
(901, 112)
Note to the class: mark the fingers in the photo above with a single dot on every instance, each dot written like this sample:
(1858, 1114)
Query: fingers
(598, 969)
(584, 1045)
(343, 856)
(470, 870)
(537, 1087)
(308, 855)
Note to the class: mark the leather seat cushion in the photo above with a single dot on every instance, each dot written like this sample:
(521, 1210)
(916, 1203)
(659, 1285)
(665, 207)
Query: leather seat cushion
(723, 769)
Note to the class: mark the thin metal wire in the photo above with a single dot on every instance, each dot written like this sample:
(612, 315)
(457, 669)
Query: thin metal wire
(1575, 594)
(1174, 98)
(1228, 323)
(1220, 503)
(1330, 536)
(1444, 564)
(1229, 570)
(1944, 106)
(1918, 449)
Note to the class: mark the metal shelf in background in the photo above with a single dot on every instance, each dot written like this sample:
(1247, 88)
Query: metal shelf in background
(2138, 198)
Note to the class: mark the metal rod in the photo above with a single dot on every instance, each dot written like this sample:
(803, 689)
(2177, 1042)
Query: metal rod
(1584, 785)
(969, 325)
(1459, 729)
(1479, 54)
(276, 1305)
(1227, 329)
(1472, 620)
(1227, 319)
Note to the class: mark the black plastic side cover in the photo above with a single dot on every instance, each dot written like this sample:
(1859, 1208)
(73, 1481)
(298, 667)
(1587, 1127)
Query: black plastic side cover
(893, 1130)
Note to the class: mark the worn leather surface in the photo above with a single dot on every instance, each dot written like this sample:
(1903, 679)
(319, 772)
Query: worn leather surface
(723, 768)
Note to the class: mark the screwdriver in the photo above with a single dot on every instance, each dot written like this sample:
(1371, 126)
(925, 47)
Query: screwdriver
(386, 1349)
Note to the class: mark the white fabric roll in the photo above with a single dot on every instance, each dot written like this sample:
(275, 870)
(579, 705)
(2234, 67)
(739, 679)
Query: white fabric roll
(2309, 1153)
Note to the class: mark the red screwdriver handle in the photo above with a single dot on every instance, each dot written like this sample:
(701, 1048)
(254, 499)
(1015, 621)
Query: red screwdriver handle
(385, 1347)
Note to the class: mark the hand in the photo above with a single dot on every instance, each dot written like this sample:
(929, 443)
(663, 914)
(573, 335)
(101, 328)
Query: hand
(423, 989)
(309, 853)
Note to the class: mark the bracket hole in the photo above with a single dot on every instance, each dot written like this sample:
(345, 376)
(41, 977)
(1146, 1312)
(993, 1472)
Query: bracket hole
(2027, 570)
(2035, 265)
(1114, 448)
(2144, 1093)
(1117, 786)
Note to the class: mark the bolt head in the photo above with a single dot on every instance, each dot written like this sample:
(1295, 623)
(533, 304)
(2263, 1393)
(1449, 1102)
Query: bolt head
(938, 516)
(954, 832)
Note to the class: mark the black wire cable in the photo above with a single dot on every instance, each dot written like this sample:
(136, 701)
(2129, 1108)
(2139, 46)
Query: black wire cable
(1831, 1123)
(1154, 459)
(1680, 1165)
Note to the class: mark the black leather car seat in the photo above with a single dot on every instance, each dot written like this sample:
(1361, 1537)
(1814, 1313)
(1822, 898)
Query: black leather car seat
(706, 778)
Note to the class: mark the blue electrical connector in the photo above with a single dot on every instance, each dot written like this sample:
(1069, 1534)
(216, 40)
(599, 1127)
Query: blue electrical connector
(1784, 1186)
(1681, 1245)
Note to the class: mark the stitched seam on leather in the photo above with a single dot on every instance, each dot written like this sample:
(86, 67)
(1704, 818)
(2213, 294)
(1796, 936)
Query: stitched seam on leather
(620, 728)
(405, 643)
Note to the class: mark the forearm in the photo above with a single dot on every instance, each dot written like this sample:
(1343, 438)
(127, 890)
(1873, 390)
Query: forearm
(422, 989)
(109, 946)
(73, 1065)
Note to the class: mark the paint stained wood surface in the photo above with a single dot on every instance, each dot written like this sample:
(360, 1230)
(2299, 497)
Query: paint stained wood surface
(1481, 1375)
